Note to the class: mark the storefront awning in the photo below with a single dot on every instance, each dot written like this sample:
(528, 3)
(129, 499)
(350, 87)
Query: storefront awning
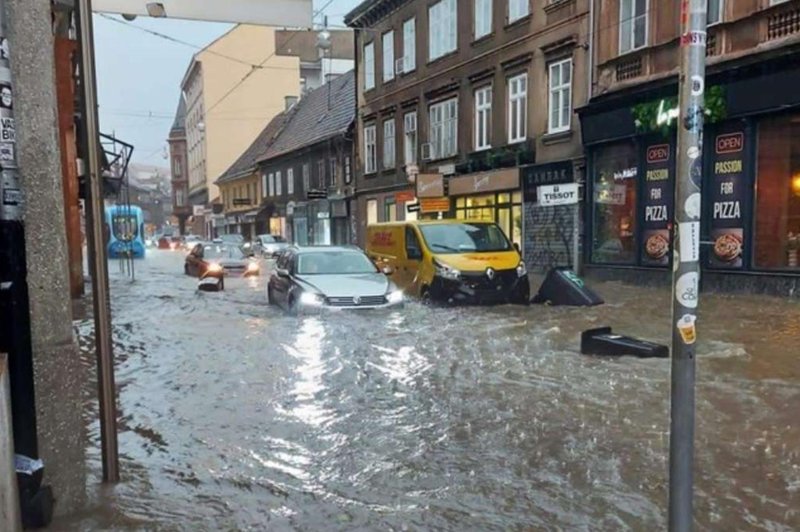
(286, 13)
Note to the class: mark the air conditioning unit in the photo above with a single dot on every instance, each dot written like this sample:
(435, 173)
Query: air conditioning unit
(398, 66)
(427, 151)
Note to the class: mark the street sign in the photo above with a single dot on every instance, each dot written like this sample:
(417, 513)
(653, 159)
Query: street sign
(412, 207)
(552, 195)
(316, 194)
(239, 202)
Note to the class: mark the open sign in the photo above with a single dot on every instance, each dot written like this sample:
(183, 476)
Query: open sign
(730, 143)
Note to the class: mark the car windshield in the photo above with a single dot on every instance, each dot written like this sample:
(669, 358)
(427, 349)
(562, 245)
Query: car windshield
(465, 238)
(222, 252)
(334, 262)
(236, 239)
(267, 239)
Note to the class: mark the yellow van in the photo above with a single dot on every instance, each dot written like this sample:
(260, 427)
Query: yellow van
(454, 261)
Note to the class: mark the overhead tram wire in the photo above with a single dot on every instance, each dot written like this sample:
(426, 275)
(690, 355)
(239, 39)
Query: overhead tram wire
(255, 68)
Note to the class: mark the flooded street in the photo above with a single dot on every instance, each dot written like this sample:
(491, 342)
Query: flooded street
(236, 416)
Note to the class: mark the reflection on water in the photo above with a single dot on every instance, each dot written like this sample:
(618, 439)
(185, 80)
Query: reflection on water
(235, 416)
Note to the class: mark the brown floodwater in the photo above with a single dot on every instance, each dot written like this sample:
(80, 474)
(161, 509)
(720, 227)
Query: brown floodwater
(235, 416)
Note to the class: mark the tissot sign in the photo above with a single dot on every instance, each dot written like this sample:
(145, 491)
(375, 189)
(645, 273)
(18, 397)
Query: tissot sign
(551, 195)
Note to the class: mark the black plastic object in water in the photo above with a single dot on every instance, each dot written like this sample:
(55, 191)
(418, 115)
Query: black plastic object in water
(563, 287)
(604, 342)
(211, 283)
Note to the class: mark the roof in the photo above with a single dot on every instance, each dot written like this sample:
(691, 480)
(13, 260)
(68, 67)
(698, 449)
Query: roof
(323, 113)
(370, 7)
(248, 160)
(179, 124)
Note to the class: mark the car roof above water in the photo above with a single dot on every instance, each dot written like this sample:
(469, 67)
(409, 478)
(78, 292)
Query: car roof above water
(312, 249)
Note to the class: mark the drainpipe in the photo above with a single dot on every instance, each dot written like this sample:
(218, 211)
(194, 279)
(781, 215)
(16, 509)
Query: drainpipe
(590, 53)
(9, 497)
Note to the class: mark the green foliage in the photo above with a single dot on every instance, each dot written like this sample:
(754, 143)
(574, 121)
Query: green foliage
(645, 115)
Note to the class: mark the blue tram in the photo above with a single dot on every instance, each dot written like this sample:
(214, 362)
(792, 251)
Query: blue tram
(125, 231)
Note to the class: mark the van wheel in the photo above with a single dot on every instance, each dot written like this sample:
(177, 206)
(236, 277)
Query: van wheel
(425, 296)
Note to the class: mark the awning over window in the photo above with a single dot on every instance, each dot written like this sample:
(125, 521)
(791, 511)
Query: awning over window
(287, 13)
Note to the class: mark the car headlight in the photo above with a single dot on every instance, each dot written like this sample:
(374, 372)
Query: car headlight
(395, 297)
(522, 271)
(214, 267)
(311, 300)
(246, 245)
(446, 272)
(252, 267)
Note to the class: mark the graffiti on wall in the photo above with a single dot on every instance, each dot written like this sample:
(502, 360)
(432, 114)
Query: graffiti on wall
(548, 236)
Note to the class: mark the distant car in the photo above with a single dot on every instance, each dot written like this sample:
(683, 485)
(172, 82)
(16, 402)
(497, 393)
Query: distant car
(227, 259)
(190, 241)
(329, 277)
(270, 245)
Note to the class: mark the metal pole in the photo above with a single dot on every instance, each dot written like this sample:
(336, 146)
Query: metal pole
(9, 496)
(97, 249)
(686, 263)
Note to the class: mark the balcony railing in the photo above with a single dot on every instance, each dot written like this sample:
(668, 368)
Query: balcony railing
(783, 23)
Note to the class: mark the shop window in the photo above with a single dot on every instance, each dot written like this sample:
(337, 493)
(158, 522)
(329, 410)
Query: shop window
(614, 220)
(372, 211)
(777, 224)
(389, 210)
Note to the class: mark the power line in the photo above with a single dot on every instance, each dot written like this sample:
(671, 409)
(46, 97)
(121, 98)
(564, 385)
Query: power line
(270, 56)
(190, 45)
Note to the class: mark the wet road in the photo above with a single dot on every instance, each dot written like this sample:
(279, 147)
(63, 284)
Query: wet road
(235, 416)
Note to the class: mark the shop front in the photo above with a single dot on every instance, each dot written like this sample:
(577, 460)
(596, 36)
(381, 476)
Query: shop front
(490, 196)
(749, 170)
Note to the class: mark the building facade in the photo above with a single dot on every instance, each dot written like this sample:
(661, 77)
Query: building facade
(466, 108)
(307, 171)
(749, 167)
(181, 208)
(230, 92)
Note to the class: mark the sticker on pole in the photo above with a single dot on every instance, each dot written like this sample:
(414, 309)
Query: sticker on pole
(689, 238)
(8, 131)
(698, 85)
(693, 38)
(12, 196)
(686, 289)
(686, 326)
(692, 206)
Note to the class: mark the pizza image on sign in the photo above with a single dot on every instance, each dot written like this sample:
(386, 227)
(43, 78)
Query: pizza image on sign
(728, 247)
(657, 246)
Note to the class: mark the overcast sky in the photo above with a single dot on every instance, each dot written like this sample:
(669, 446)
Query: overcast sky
(139, 74)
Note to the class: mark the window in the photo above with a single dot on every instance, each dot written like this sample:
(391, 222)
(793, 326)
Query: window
(263, 184)
(306, 176)
(517, 108)
(271, 184)
(370, 164)
(483, 117)
(321, 174)
(278, 183)
(410, 137)
(332, 164)
(715, 11)
(388, 143)
(777, 212)
(444, 128)
(178, 167)
(517, 9)
(614, 201)
(347, 175)
(409, 45)
(442, 28)
(290, 181)
(389, 210)
(369, 66)
(483, 18)
(388, 56)
(372, 211)
(632, 25)
(180, 197)
(560, 96)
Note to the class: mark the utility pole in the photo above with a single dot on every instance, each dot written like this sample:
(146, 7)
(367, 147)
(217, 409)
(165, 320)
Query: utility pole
(686, 262)
(95, 215)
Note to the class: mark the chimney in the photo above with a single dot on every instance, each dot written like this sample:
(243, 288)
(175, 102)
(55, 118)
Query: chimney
(291, 101)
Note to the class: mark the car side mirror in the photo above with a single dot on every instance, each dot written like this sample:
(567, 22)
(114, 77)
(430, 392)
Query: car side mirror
(387, 270)
(282, 272)
(516, 246)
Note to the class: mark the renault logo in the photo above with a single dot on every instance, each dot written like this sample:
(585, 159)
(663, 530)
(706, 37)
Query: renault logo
(356, 300)
(490, 273)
